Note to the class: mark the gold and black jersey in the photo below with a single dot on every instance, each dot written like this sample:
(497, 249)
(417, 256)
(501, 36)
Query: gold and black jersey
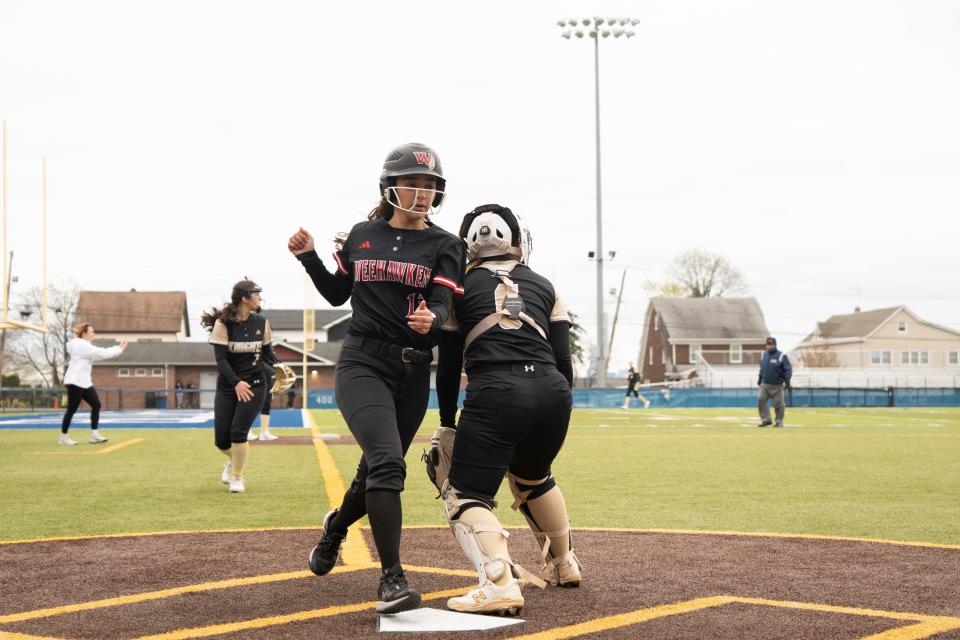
(510, 339)
(241, 346)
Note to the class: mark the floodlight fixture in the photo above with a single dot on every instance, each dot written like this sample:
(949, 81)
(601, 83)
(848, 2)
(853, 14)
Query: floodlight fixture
(593, 28)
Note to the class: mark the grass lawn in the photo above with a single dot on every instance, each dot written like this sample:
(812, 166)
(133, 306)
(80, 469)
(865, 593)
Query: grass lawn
(880, 473)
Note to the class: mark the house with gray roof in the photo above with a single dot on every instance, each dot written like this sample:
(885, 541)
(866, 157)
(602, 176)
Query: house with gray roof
(888, 338)
(679, 332)
(287, 324)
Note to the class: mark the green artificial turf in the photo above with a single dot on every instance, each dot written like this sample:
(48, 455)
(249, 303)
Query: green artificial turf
(878, 473)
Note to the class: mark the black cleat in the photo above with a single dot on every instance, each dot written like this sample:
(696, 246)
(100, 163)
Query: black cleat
(324, 556)
(765, 423)
(395, 594)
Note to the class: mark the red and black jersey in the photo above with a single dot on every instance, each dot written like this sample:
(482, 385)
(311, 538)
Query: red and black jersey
(386, 273)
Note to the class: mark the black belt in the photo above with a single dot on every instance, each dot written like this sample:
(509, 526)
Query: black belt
(408, 355)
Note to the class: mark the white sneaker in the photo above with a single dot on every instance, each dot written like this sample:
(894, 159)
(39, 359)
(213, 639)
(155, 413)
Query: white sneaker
(489, 598)
(267, 436)
(646, 404)
(65, 439)
(226, 473)
(96, 438)
(236, 485)
(251, 435)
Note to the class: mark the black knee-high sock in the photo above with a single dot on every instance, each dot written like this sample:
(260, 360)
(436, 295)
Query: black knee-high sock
(353, 507)
(386, 519)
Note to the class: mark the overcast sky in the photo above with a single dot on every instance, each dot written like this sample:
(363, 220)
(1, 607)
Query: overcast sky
(816, 145)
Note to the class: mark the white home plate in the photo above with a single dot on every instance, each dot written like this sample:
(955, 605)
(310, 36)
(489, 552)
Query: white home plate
(427, 620)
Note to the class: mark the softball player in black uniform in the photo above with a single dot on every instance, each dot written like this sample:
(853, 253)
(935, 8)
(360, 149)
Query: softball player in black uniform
(400, 272)
(513, 332)
(265, 435)
(241, 342)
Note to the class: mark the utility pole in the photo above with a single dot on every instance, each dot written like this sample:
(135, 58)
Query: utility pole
(6, 305)
(616, 315)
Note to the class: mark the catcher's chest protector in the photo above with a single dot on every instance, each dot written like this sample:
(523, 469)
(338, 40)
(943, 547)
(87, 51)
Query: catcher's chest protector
(509, 312)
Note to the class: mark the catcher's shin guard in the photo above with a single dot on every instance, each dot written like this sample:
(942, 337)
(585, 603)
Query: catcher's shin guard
(440, 457)
(543, 507)
(483, 541)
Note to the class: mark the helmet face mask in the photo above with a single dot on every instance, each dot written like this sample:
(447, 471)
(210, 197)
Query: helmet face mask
(492, 230)
(434, 197)
(412, 159)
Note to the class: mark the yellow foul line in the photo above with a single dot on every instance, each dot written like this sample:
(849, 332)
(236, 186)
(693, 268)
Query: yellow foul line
(144, 534)
(119, 445)
(300, 616)
(355, 549)
(928, 625)
(919, 631)
(166, 593)
(110, 449)
(9, 635)
(625, 619)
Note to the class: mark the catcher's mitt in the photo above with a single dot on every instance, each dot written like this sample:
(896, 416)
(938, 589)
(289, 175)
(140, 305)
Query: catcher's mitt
(285, 378)
(440, 456)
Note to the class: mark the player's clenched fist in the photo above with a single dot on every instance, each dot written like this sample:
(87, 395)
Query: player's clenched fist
(300, 242)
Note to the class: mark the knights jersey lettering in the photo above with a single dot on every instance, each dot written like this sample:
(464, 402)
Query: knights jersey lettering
(510, 340)
(391, 271)
(244, 342)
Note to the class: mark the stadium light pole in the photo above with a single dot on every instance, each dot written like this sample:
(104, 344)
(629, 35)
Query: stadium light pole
(598, 28)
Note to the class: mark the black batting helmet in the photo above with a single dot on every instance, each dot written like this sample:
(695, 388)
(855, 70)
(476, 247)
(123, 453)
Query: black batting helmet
(408, 159)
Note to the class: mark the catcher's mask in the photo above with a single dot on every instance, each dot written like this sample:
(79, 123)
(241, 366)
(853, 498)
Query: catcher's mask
(408, 160)
(491, 230)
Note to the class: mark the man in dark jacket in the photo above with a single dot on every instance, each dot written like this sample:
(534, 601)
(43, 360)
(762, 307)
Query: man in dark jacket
(775, 374)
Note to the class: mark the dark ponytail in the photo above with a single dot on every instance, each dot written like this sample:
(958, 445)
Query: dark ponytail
(229, 311)
(383, 210)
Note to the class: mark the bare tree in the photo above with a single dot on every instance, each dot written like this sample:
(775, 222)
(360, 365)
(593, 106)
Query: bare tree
(707, 275)
(820, 357)
(665, 289)
(46, 353)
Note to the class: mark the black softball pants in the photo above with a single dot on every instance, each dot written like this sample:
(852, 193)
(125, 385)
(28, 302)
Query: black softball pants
(232, 418)
(383, 401)
(74, 395)
(514, 418)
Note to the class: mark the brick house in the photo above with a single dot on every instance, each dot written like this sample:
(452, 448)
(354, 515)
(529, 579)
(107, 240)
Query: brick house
(724, 332)
(145, 374)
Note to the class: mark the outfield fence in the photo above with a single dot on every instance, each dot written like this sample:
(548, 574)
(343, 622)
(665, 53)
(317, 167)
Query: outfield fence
(15, 399)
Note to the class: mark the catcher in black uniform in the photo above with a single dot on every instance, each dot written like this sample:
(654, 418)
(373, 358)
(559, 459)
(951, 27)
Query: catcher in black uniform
(241, 340)
(400, 273)
(513, 333)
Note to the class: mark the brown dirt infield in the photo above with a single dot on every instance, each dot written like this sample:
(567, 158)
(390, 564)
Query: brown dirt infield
(777, 587)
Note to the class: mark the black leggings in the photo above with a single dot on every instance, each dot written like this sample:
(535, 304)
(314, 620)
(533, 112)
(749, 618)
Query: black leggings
(383, 402)
(74, 395)
(512, 420)
(232, 419)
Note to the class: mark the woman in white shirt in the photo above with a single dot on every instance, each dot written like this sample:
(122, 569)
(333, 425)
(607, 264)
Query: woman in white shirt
(78, 382)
